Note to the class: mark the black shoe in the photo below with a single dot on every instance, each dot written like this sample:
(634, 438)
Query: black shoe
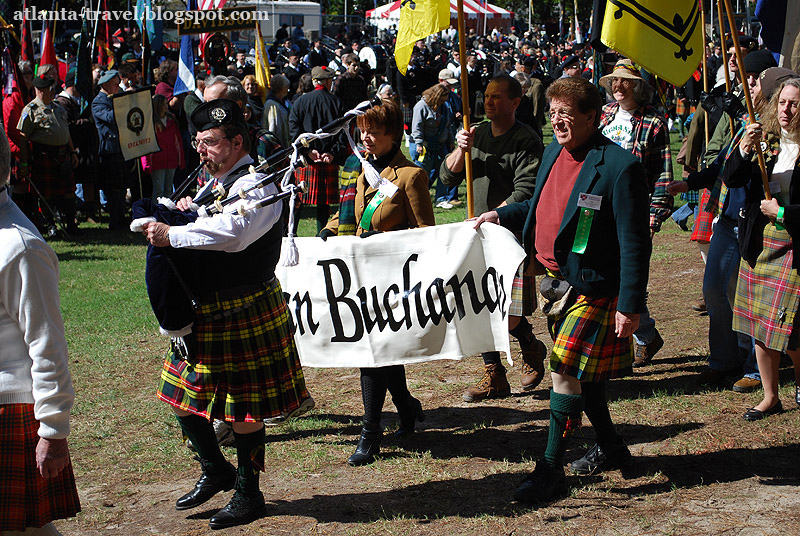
(209, 485)
(543, 485)
(714, 379)
(596, 461)
(368, 446)
(241, 510)
(644, 353)
(754, 414)
(409, 417)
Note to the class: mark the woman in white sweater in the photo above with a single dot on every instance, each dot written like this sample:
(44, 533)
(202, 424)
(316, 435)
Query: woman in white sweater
(36, 392)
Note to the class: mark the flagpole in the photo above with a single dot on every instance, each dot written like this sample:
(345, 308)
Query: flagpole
(705, 61)
(462, 49)
(747, 98)
(94, 36)
(725, 57)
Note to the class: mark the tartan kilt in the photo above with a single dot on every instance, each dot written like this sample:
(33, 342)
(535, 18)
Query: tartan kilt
(27, 499)
(585, 345)
(523, 294)
(702, 228)
(48, 167)
(322, 181)
(246, 367)
(408, 114)
(767, 294)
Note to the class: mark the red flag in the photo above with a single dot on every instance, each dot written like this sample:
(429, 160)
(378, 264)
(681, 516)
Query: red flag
(27, 41)
(105, 56)
(48, 48)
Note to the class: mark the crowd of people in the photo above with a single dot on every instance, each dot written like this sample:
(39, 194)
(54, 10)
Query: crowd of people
(586, 204)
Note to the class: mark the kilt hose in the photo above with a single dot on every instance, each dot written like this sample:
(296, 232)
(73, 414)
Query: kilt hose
(27, 499)
(322, 181)
(767, 295)
(585, 345)
(246, 366)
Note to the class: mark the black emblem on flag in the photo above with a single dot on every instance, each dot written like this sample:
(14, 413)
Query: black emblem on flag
(679, 31)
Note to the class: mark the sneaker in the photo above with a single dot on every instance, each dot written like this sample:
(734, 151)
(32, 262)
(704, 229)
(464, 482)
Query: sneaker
(532, 367)
(747, 385)
(644, 352)
(543, 485)
(305, 406)
(493, 384)
(224, 433)
(596, 461)
(444, 204)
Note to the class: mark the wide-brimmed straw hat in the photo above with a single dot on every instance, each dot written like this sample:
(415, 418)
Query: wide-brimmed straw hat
(622, 69)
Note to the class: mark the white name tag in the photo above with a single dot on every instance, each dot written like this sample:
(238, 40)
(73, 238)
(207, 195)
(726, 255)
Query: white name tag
(590, 201)
(775, 187)
(387, 188)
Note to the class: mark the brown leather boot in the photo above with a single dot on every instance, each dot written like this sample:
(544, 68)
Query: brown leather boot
(532, 357)
(493, 384)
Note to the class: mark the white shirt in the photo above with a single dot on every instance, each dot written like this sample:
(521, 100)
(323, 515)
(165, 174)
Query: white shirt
(230, 231)
(620, 130)
(33, 348)
(783, 170)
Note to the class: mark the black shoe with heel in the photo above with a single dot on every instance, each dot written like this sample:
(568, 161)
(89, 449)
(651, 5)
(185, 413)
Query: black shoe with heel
(409, 417)
(368, 446)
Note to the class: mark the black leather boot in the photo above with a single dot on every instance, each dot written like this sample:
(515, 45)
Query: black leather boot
(368, 445)
(242, 509)
(409, 416)
(212, 482)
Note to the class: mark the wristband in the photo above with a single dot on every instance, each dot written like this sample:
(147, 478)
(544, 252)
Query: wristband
(779, 217)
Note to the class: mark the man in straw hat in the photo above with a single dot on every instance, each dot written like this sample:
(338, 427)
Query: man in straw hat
(636, 126)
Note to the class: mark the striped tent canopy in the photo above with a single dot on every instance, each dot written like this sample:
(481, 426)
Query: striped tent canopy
(472, 9)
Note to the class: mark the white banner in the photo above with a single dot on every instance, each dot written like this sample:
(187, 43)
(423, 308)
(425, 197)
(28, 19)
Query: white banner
(402, 297)
(133, 112)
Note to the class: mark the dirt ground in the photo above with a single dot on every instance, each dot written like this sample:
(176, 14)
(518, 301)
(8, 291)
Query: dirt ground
(698, 467)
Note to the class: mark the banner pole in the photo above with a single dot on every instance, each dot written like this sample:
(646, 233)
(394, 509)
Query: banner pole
(724, 49)
(747, 97)
(462, 48)
(705, 60)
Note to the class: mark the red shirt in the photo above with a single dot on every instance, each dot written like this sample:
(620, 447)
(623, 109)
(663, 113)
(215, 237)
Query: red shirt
(553, 202)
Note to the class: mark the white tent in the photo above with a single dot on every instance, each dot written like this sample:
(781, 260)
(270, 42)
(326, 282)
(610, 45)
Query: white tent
(389, 15)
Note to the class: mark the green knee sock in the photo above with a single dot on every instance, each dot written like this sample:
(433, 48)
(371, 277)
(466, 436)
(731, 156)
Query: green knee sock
(565, 416)
(250, 452)
(201, 433)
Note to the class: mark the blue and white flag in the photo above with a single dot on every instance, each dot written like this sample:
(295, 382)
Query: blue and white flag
(185, 82)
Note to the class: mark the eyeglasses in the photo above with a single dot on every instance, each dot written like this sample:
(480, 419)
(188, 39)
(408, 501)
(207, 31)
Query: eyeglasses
(207, 143)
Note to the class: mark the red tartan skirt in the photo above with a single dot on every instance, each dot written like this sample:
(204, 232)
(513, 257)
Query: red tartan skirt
(322, 181)
(27, 499)
(701, 230)
(51, 170)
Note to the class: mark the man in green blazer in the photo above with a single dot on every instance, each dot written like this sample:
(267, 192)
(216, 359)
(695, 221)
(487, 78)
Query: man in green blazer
(587, 224)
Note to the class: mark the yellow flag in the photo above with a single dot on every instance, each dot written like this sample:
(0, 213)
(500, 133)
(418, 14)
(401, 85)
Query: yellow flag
(665, 38)
(418, 20)
(262, 64)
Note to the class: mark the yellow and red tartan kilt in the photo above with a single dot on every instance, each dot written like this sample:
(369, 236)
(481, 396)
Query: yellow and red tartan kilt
(322, 181)
(246, 366)
(585, 345)
(27, 499)
(767, 295)
(48, 170)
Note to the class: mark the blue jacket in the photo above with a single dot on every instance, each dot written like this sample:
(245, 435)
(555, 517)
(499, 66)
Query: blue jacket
(103, 113)
(617, 257)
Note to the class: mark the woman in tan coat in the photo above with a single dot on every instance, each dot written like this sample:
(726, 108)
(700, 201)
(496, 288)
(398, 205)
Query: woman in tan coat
(406, 208)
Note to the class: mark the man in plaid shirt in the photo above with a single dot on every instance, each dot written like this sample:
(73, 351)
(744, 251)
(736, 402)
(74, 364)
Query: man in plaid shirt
(639, 128)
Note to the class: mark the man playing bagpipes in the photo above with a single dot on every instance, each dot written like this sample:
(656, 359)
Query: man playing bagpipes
(237, 361)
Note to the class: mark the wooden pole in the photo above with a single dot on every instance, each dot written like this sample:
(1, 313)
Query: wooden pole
(462, 49)
(705, 59)
(725, 56)
(747, 98)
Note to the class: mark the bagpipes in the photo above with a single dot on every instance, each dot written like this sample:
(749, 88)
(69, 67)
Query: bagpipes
(168, 268)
